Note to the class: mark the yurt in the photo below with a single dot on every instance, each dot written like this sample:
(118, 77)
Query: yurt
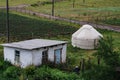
(86, 37)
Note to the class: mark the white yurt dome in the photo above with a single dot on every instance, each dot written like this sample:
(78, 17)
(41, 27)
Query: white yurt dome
(86, 37)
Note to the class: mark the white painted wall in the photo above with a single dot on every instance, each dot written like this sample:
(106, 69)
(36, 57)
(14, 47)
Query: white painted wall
(37, 56)
(28, 57)
(25, 56)
(52, 49)
(64, 53)
(9, 54)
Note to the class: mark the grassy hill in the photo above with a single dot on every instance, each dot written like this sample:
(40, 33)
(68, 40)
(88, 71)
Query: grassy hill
(92, 10)
(24, 27)
(97, 11)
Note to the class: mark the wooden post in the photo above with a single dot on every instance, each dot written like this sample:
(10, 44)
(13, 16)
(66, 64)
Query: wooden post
(83, 1)
(98, 60)
(89, 62)
(53, 5)
(73, 3)
(7, 21)
(80, 65)
(32, 35)
(83, 65)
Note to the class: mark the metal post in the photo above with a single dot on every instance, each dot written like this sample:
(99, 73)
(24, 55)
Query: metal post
(53, 3)
(7, 21)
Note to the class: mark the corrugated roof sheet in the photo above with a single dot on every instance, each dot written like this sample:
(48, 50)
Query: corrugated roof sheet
(33, 44)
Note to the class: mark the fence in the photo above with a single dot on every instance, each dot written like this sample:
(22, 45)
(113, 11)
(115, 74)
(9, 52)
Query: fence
(81, 19)
(91, 17)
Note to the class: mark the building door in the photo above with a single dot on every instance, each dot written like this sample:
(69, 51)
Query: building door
(58, 57)
(44, 57)
(17, 57)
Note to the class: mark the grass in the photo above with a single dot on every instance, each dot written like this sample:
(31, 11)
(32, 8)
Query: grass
(92, 10)
(24, 27)
(112, 21)
(18, 2)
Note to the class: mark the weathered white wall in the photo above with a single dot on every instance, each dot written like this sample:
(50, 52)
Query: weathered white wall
(9, 54)
(37, 56)
(64, 53)
(52, 49)
(25, 56)
(28, 57)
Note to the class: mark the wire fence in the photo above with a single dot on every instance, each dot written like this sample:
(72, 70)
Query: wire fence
(81, 19)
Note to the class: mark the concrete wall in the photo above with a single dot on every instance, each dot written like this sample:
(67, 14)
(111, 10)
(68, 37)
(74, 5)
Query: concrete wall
(37, 56)
(28, 57)
(25, 56)
(9, 54)
(52, 49)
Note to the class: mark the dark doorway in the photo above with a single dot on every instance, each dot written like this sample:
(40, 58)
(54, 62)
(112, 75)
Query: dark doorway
(17, 57)
(44, 57)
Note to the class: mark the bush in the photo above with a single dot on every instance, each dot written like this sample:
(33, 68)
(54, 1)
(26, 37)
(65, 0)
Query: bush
(42, 73)
(106, 51)
(48, 73)
(12, 72)
(30, 70)
(1, 65)
(99, 73)
(6, 64)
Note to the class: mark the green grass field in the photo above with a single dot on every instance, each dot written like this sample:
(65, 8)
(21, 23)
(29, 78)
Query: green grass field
(93, 11)
(24, 27)
(18, 2)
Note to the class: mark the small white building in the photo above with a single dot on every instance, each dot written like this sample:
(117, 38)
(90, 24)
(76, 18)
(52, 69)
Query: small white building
(35, 51)
(86, 37)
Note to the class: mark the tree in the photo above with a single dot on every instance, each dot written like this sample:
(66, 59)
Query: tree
(107, 52)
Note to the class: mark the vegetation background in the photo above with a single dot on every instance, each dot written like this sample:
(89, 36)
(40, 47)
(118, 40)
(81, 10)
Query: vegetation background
(23, 26)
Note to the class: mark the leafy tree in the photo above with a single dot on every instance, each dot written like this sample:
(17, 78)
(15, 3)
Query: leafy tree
(107, 52)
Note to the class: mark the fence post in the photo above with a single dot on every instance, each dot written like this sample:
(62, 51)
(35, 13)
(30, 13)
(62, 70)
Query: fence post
(98, 60)
(32, 35)
(89, 63)
(80, 64)
(83, 65)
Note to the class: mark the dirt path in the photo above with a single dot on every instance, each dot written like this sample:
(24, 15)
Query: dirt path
(20, 8)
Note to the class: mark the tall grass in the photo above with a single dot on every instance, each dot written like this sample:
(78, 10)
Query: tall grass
(92, 10)
(23, 27)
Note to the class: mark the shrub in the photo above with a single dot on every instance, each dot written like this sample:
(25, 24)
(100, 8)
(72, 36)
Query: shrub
(1, 65)
(42, 73)
(30, 70)
(106, 51)
(99, 73)
(47, 73)
(12, 72)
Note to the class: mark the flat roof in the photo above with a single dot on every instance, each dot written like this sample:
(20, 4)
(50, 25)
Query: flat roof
(33, 44)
